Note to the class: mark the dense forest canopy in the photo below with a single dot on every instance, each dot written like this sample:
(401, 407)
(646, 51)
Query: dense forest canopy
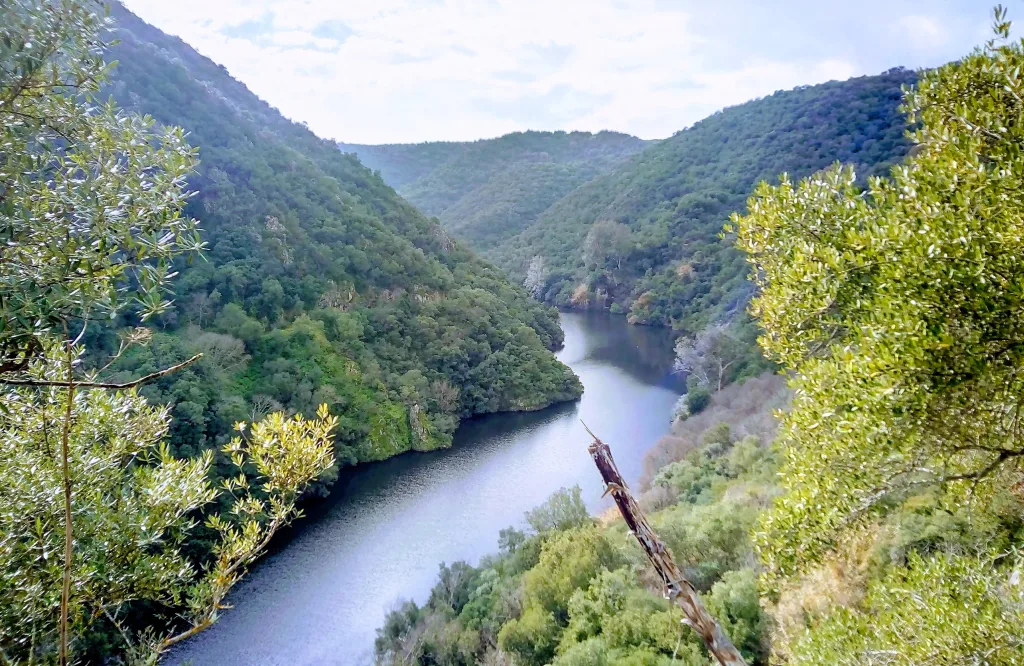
(639, 232)
(668, 265)
(318, 283)
(187, 349)
(486, 191)
(607, 221)
(884, 524)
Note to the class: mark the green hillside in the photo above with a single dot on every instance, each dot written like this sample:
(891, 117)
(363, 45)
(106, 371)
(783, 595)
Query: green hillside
(582, 589)
(883, 525)
(657, 254)
(319, 283)
(486, 191)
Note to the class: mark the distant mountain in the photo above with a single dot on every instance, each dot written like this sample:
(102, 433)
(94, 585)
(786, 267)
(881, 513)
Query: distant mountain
(320, 283)
(487, 191)
(644, 238)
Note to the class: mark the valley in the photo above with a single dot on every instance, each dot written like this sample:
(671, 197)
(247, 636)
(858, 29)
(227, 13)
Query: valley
(641, 234)
(269, 397)
(387, 527)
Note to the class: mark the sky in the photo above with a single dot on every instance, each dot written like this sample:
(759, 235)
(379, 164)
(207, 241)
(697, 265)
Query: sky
(404, 71)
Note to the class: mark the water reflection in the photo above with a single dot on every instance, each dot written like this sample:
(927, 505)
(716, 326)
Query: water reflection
(645, 353)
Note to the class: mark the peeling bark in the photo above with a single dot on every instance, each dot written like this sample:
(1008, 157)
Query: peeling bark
(678, 588)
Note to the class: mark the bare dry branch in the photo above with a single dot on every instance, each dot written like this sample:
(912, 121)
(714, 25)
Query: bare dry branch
(678, 588)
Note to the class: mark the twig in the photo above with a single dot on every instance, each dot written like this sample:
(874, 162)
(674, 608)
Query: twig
(105, 385)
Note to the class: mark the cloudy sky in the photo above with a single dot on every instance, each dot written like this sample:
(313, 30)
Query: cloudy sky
(391, 71)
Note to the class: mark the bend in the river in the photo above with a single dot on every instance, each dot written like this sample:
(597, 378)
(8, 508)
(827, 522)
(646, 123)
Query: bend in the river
(387, 527)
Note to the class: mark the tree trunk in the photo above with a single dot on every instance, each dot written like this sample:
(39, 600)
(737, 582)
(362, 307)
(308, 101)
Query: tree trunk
(679, 588)
(721, 373)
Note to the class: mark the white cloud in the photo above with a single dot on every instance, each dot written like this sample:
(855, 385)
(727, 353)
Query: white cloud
(412, 70)
(923, 32)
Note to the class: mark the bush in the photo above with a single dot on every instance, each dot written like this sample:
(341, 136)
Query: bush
(748, 408)
(563, 510)
(697, 400)
(735, 603)
(568, 561)
(532, 638)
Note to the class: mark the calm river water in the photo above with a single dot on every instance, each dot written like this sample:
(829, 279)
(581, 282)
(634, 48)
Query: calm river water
(385, 529)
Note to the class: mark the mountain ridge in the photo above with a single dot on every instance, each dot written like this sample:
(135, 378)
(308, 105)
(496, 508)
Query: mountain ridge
(675, 196)
(652, 220)
(320, 283)
(488, 189)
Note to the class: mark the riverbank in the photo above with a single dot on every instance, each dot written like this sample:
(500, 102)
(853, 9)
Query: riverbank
(388, 526)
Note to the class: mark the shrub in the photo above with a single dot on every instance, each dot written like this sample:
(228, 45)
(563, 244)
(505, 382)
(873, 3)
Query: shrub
(697, 399)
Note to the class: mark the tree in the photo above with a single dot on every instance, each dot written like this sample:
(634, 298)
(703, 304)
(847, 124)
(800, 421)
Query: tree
(606, 241)
(90, 210)
(134, 509)
(563, 510)
(201, 306)
(710, 355)
(900, 313)
(225, 352)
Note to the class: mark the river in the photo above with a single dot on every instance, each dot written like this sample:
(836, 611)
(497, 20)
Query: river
(318, 598)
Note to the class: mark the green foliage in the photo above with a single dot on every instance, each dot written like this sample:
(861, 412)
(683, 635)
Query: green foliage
(532, 637)
(900, 313)
(675, 195)
(341, 292)
(606, 244)
(486, 191)
(947, 609)
(130, 521)
(90, 197)
(708, 533)
(630, 620)
(564, 510)
(134, 505)
(697, 399)
(709, 540)
(570, 592)
(735, 602)
(653, 213)
(569, 560)
(642, 235)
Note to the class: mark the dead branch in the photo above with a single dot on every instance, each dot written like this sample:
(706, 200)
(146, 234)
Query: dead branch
(678, 588)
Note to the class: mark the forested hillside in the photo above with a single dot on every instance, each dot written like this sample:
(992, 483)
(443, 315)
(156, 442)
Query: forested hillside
(318, 283)
(645, 238)
(885, 523)
(569, 590)
(486, 191)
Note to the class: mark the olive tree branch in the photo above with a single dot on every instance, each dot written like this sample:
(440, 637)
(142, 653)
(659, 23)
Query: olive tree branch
(104, 385)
